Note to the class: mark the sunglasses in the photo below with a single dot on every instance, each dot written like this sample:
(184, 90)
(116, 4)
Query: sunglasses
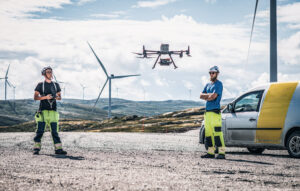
(212, 73)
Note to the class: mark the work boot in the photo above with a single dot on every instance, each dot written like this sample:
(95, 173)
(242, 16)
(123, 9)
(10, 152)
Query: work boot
(60, 152)
(209, 156)
(36, 151)
(221, 156)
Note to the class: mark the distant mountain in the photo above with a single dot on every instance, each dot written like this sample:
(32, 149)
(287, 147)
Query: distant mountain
(140, 108)
(12, 113)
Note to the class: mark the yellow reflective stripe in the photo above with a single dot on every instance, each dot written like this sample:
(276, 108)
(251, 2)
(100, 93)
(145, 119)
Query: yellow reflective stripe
(211, 150)
(273, 112)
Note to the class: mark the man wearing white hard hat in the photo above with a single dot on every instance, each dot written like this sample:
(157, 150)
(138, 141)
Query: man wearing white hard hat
(212, 94)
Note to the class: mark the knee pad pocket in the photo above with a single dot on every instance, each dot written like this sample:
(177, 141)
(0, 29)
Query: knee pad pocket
(209, 141)
(41, 127)
(53, 127)
(218, 141)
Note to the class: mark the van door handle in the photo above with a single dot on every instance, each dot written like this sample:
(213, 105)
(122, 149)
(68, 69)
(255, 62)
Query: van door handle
(252, 119)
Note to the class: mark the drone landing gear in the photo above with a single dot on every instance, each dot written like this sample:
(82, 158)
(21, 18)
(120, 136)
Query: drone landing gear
(173, 62)
(156, 61)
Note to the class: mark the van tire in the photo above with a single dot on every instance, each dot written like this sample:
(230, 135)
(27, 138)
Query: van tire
(256, 150)
(293, 144)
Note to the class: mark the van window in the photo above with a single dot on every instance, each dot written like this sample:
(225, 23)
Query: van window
(248, 102)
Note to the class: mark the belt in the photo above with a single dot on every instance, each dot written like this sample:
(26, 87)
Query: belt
(217, 111)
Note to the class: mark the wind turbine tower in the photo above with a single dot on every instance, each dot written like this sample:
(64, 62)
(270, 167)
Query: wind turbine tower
(273, 38)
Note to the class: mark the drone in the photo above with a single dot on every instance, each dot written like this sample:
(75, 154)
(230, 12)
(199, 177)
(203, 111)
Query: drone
(164, 50)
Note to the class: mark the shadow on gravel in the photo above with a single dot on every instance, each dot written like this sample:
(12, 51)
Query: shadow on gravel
(249, 161)
(67, 157)
(269, 155)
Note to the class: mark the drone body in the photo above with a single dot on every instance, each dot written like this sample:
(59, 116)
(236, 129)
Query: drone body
(164, 50)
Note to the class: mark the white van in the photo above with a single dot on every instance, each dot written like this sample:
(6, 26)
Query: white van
(266, 117)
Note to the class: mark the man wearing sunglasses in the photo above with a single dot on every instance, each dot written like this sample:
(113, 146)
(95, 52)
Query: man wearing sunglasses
(47, 92)
(212, 94)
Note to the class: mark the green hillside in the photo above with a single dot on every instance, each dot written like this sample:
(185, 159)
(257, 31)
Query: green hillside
(19, 111)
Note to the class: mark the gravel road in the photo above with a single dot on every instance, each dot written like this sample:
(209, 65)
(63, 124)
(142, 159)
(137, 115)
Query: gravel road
(139, 161)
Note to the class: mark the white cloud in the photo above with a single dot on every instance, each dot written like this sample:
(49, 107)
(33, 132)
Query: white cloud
(152, 4)
(105, 15)
(81, 2)
(288, 14)
(112, 15)
(210, 1)
(19, 9)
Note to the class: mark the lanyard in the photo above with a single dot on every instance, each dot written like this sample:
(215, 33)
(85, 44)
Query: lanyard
(49, 101)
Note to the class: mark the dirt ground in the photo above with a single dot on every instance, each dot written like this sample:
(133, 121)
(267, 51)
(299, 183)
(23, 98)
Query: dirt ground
(139, 161)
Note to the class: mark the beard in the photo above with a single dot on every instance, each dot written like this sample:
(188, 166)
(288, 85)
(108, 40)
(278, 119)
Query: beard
(213, 78)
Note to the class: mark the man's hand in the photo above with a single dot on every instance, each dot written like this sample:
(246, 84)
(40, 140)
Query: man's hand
(58, 96)
(49, 96)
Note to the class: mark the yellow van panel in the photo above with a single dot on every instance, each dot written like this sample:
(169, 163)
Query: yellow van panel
(273, 112)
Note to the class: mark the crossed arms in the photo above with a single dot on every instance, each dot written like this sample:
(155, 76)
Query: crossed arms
(208, 97)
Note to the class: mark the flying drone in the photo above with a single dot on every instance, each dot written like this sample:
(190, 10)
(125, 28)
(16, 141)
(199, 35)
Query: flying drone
(164, 50)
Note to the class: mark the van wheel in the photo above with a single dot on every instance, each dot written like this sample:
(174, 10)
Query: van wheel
(206, 147)
(256, 150)
(293, 144)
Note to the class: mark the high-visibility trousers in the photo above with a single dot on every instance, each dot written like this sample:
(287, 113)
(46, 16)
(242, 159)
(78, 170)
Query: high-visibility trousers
(213, 132)
(43, 119)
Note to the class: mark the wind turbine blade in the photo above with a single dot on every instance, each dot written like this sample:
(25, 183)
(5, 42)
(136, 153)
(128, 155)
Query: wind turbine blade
(9, 83)
(253, 22)
(98, 59)
(125, 76)
(7, 71)
(100, 92)
(55, 78)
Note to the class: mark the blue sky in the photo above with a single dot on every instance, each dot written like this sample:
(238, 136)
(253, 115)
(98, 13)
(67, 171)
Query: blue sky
(54, 32)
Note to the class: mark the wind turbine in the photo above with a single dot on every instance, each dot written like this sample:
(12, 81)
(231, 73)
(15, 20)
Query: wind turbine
(60, 82)
(273, 39)
(6, 82)
(83, 87)
(108, 79)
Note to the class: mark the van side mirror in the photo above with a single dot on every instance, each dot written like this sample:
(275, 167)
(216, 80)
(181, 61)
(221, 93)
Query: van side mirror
(230, 108)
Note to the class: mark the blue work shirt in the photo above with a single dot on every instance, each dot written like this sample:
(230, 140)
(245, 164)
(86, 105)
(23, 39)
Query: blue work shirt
(216, 87)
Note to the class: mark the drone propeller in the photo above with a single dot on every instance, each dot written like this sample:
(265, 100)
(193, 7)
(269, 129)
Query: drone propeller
(137, 53)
